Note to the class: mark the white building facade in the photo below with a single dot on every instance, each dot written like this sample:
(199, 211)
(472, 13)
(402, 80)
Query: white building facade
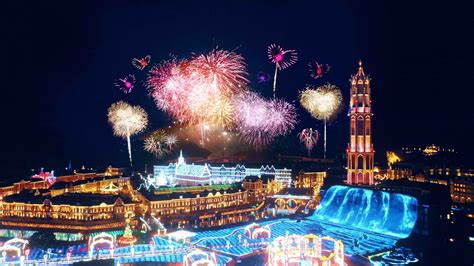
(191, 175)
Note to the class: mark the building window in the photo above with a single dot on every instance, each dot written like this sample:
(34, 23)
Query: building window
(360, 162)
(360, 126)
(367, 126)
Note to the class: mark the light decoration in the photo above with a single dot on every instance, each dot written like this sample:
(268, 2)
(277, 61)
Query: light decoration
(48, 177)
(431, 150)
(11, 245)
(392, 158)
(127, 120)
(309, 138)
(127, 239)
(101, 239)
(323, 103)
(282, 60)
(199, 258)
(305, 250)
(110, 188)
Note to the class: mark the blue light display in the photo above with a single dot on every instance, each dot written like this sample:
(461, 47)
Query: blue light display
(378, 211)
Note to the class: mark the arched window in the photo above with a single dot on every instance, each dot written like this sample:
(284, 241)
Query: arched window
(352, 126)
(360, 126)
(360, 162)
(368, 163)
(367, 126)
(353, 162)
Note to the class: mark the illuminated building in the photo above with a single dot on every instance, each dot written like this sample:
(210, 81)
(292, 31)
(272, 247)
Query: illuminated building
(204, 209)
(462, 189)
(360, 151)
(431, 150)
(190, 174)
(313, 180)
(293, 250)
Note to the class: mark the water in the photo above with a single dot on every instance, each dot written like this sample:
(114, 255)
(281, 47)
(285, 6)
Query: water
(378, 211)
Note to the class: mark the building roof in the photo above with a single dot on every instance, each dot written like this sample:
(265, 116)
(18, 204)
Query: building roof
(61, 185)
(87, 199)
(78, 199)
(26, 196)
(181, 234)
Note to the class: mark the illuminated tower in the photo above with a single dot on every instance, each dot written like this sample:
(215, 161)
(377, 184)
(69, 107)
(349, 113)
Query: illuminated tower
(360, 151)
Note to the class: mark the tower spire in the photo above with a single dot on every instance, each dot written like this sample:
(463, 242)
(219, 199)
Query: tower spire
(181, 158)
(361, 69)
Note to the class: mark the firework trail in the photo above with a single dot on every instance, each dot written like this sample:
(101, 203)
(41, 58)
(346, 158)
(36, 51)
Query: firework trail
(127, 120)
(309, 138)
(282, 60)
(322, 103)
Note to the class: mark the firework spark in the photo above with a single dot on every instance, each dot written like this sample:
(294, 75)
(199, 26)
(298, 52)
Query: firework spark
(282, 60)
(260, 121)
(309, 138)
(126, 84)
(322, 103)
(127, 120)
(159, 143)
(262, 77)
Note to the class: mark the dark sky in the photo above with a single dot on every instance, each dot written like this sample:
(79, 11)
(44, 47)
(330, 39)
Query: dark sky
(61, 60)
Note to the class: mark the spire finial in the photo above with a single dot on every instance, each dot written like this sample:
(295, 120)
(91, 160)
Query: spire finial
(361, 70)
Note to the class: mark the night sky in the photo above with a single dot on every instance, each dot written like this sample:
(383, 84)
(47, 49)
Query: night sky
(61, 60)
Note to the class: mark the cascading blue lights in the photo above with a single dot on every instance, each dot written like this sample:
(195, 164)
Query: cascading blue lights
(378, 211)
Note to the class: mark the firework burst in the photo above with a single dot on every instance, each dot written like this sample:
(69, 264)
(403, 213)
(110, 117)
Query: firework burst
(309, 138)
(195, 91)
(317, 70)
(126, 121)
(225, 71)
(159, 143)
(282, 60)
(260, 121)
(126, 84)
(322, 103)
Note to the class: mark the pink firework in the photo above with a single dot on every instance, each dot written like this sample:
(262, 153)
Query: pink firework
(282, 59)
(309, 138)
(223, 69)
(126, 84)
(260, 121)
(188, 90)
